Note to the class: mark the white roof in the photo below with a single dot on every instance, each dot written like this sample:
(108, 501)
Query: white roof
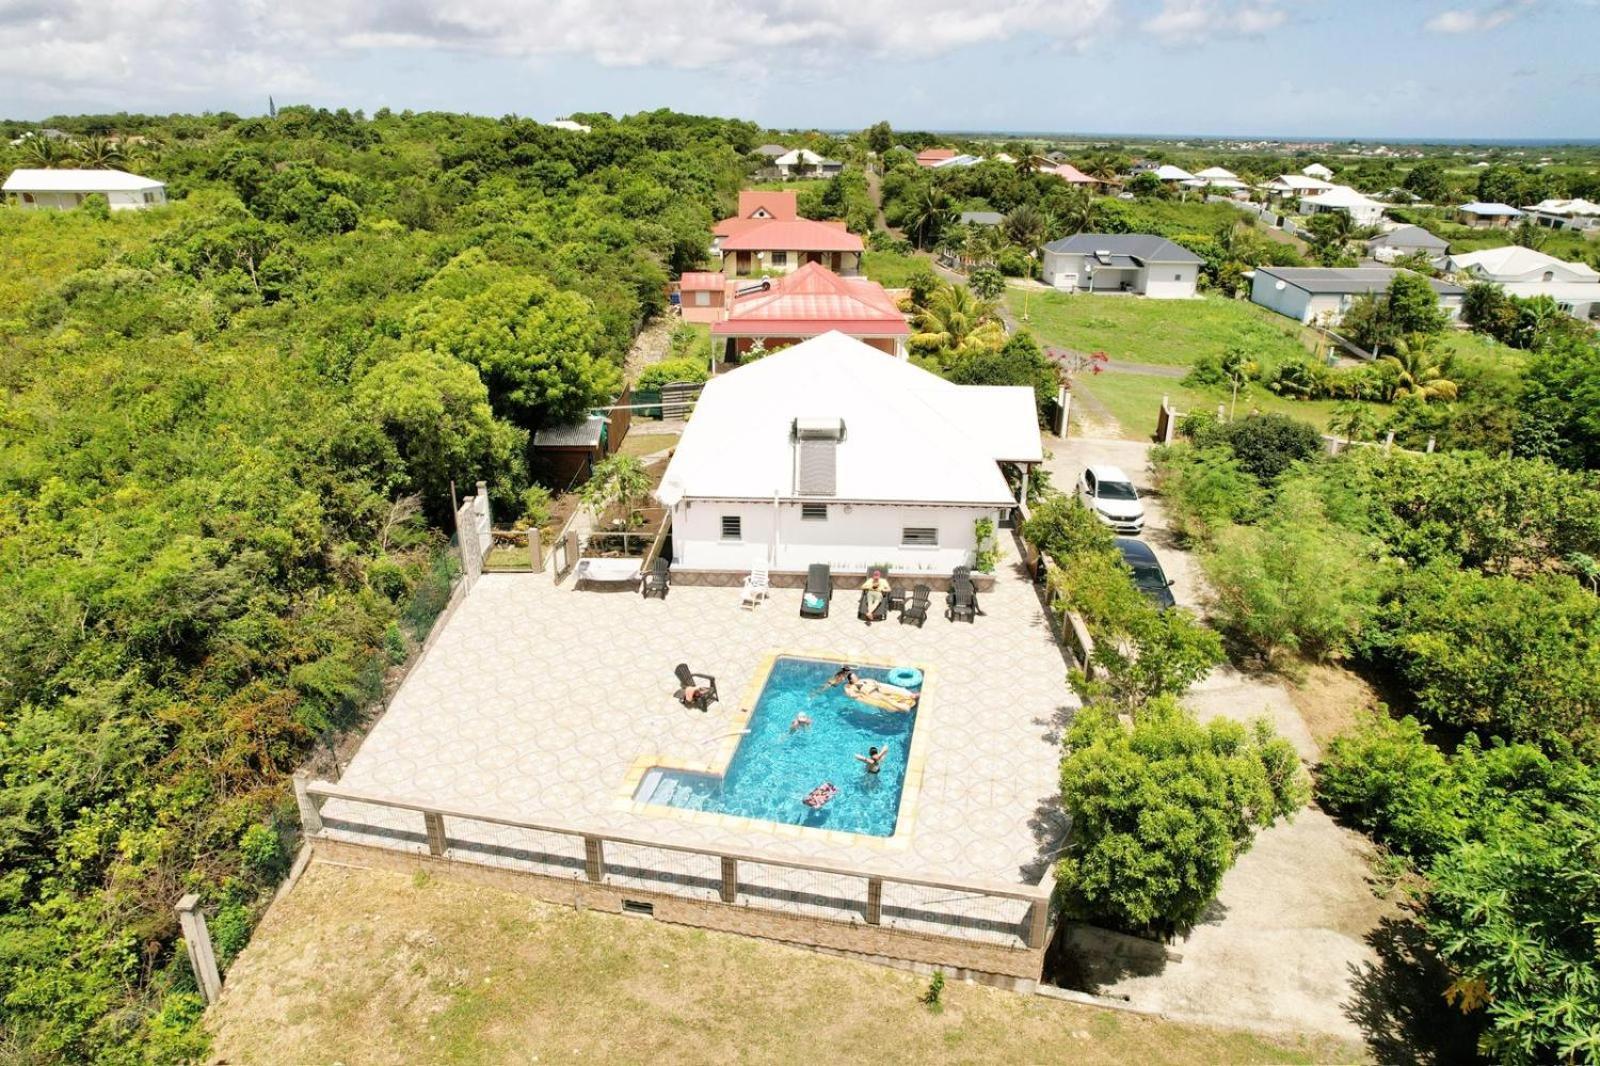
(799, 155)
(24, 180)
(910, 436)
(1168, 172)
(1567, 292)
(1515, 259)
(569, 125)
(1478, 207)
(1217, 173)
(1317, 170)
(1342, 196)
(1579, 206)
(1298, 182)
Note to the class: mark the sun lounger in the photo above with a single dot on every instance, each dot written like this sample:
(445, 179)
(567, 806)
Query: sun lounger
(962, 599)
(607, 571)
(915, 611)
(756, 585)
(818, 593)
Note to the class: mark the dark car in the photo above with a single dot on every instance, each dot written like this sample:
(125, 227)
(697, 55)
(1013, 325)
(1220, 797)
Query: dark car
(1148, 577)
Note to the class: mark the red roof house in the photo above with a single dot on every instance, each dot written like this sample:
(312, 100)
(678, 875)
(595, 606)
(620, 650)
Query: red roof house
(757, 207)
(808, 303)
(929, 156)
(702, 296)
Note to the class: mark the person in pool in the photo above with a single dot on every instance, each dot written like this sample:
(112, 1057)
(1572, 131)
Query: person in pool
(874, 758)
(845, 674)
(801, 721)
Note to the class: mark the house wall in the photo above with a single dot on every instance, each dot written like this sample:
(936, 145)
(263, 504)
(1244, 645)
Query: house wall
(66, 201)
(1158, 281)
(710, 311)
(888, 345)
(1170, 281)
(854, 536)
(847, 264)
(1289, 301)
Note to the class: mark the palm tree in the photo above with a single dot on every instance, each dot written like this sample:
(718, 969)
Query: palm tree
(97, 153)
(1029, 162)
(955, 319)
(1077, 211)
(40, 151)
(1025, 226)
(1418, 370)
(930, 215)
(1102, 165)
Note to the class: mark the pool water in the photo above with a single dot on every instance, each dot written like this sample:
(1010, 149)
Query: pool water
(774, 769)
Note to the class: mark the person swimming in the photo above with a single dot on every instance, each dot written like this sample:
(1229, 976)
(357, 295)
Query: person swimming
(874, 758)
(878, 694)
(801, 721)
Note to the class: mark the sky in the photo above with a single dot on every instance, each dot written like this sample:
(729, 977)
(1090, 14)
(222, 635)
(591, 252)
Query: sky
(1359, 68)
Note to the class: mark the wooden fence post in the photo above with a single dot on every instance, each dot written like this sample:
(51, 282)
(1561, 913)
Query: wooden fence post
(197, 939)
(874, 901)
(594, 858)
(730, 879)
(436, 838)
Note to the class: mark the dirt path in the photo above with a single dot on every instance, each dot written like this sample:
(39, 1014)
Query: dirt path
(875, 190)
(1291, 933)
(650, 346)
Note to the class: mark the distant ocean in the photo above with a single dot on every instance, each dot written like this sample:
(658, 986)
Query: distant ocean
(1301, 138)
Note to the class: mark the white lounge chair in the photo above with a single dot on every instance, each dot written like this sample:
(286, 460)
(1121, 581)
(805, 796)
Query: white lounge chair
(607, 571)
(756, 586)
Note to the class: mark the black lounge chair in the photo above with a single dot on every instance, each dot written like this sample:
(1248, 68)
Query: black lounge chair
(818, 595)
(705, 695)
(886, 603)
(962, 599)
(915, 610)
(658, 580)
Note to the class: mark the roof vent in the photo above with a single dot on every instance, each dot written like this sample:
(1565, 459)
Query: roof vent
(816, 444)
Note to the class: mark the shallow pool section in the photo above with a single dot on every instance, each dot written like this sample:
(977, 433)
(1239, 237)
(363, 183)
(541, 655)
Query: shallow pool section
(775, 767)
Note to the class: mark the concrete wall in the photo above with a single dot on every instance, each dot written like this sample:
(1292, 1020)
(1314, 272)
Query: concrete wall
(1159, 281)
(1289, 301)
(1171, 281)
(845, 263)
(853, 537)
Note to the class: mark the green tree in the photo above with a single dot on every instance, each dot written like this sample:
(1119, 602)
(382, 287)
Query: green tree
(880, 138)
(956, 321)
(930, 215)
(1161, 811)
(435, 413)
(1418, 371)
(1427, 181)
(1019, 361)
(1353, 421)
(987, 284)
(620, 481)
(1412, 306)
(536, 347)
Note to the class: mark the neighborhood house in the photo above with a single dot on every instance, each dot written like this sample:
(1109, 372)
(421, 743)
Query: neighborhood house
(1575, 287)
(1565, 214)
(804, 163)
(1121, 262)
(1324, 294)
(1363, 210)
(808, 303)
(768, 236)
(833, 452)
(61, 190)
(702, 296)
(1484, 215)
(1407, 240)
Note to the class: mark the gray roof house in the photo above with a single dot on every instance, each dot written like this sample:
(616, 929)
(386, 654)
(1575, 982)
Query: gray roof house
(772, 151)
(1138, 263)
(981, 218)
(1324, 294)
(1407, 240)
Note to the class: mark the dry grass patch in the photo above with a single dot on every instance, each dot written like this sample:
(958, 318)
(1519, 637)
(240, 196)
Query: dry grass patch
(1331, 699)
(361, 967)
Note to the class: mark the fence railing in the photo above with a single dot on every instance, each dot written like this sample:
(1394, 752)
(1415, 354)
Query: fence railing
(1015, 916)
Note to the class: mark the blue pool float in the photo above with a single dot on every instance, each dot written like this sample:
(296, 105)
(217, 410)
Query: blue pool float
(905, 677)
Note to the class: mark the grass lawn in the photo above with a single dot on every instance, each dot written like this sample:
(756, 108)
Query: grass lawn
(784, 186)
(359, 967)
(641, 442)
(1134, 399)
(890, 269)
(1161, 332)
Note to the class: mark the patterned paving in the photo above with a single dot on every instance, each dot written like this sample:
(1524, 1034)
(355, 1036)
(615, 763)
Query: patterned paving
(536, 700)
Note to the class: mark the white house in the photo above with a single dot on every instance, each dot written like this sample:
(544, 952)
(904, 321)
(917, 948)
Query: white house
(1121, 262)
(1565, 214)
(1483, 215)
(1168, 172)
(1217, 178)
(1324, 294)
(1318, 171)
(1363, 210)
(834, 452)
(804, 163)
(569, 125)
(1295, 185)
(1515, 263)
(60, 190)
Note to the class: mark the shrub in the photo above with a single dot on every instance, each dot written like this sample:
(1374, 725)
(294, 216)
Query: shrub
(535, 507)
(262, 850)
(1264, 445)
(1298, 584)
(1205, 491)
(1160, 811)
(1385, 779)
(669, 370)
(1062, 528)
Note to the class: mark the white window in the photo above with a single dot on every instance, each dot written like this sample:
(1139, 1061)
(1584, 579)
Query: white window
(780, 259)
(919, 537)
(814, 512)
(731, 527)
(702, 299)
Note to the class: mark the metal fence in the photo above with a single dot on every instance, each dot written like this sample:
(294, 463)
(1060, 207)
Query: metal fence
(1014, 916)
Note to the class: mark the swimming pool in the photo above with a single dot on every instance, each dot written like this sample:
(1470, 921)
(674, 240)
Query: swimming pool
(773, 769)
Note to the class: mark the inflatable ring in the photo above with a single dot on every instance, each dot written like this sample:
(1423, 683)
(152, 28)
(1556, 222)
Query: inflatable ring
(905, 676)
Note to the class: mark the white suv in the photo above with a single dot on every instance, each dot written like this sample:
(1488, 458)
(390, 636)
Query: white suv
(1110, 495)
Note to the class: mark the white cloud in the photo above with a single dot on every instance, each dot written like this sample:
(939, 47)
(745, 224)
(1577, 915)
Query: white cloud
(168, 48)
(1476, 20)
(1188, 21)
